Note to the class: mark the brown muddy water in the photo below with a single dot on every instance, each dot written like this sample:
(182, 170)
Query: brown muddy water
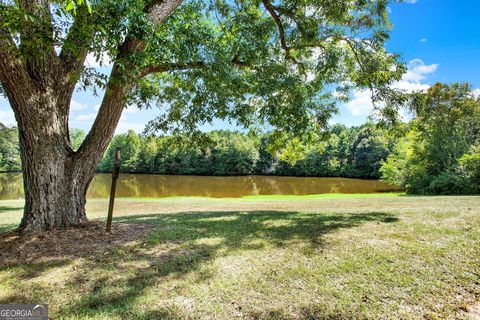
(160, 186)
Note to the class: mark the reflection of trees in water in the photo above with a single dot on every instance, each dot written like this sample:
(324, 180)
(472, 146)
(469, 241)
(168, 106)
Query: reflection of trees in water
(157, 186)
(11, 186)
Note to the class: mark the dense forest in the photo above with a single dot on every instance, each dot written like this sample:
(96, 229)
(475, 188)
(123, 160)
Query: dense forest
(346, 152)
(437, 152)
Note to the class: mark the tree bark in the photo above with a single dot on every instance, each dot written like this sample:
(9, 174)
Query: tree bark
(55, 189)
(56, 178)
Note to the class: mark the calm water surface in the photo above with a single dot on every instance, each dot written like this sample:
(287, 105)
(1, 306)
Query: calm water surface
(158, 186)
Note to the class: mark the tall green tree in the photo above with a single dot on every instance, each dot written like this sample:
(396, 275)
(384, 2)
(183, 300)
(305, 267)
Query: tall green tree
(368, 152)
(253, 62)
(148, 154)
(129, 144)
(76, 138)
(440, 152)
(9, 149)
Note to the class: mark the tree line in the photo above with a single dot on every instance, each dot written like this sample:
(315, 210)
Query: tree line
(347, 152)
(436, 152)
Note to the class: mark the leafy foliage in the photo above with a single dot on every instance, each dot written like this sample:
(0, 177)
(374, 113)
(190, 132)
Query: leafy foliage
(439, 155)
(9, 149)
(254, 63)
(76, 138)
(348, 152)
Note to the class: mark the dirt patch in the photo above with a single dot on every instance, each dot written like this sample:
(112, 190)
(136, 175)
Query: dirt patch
(67, 244)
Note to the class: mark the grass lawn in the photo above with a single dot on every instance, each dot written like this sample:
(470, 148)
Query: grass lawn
(311, 257)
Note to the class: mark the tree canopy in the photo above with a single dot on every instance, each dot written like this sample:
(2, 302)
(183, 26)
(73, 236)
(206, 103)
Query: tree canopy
(283, 64)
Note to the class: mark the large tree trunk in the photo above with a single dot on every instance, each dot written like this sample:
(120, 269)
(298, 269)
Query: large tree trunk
(56, 178)
(39, 85)
(54, 189)
(54, 186)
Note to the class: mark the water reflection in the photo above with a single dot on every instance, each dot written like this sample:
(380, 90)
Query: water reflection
(11, 186)
(158, 186)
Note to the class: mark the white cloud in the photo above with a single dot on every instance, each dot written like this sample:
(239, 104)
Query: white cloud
(410, 86)
(405, 115)
(476, 93)
(423, 40)
(128, 109)
(87, 117)
(131, 109)
(361, 104)
(124, 125)
(77, 106)
(7, 118)
(418, 71)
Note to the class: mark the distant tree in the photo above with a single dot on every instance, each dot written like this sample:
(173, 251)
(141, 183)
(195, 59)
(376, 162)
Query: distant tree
(369, 150)
(129, 143)
(469, 165)
(448, 121)
(148, 154)
(9, 149)
(76, 138)
(440, 152)
(233, 154)
(266, 160)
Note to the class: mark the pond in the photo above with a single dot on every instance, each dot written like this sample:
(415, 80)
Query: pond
(159, 186)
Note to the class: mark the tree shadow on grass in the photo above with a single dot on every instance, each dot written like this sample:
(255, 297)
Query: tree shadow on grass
(5, 227)
(8, 226)
(111, 281)
(7, 208)
(238, 229)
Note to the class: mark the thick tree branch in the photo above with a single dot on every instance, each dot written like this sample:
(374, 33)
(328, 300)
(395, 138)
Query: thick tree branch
(108, 117)
(159, 10)
(78, 41)
(283, 41)
(12, 67)
(121, 81)
(8, 49)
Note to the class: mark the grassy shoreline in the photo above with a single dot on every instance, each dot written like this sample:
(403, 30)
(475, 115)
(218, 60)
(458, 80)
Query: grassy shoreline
(364, 257)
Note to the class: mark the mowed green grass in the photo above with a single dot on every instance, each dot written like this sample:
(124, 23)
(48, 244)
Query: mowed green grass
(337, 257)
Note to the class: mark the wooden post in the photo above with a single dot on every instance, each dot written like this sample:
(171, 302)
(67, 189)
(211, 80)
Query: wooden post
(115, 172)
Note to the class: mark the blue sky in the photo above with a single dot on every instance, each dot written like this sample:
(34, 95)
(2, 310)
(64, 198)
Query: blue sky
(439, 40)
